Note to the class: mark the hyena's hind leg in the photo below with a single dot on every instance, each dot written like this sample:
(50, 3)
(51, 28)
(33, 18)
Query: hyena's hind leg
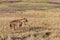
(12, 26)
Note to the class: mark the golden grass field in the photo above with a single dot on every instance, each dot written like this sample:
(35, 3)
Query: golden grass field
(43, 21)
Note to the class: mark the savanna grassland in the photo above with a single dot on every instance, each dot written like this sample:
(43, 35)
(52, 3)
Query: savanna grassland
(43, 20)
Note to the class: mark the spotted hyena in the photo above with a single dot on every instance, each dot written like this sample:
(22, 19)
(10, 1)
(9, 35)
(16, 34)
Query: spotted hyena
(18, 23)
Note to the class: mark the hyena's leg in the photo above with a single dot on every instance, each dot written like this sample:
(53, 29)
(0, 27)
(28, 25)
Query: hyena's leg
(23, 24)
(12, 26)
(20, 24)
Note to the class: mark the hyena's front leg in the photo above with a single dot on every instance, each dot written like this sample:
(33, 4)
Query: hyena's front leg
(23, 24)
(20, 24)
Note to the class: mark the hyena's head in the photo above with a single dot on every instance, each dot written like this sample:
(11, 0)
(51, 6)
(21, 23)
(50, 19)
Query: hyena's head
(25, 19)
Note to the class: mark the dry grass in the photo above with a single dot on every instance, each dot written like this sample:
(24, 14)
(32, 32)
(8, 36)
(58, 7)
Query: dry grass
(42, 24)
(49, 19)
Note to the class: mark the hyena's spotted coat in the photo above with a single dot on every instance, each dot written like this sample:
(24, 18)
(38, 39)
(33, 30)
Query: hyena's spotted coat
(18, 23)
